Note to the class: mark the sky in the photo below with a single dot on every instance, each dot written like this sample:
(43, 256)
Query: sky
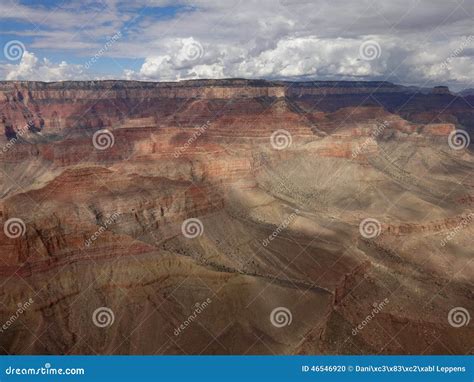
(411, 42)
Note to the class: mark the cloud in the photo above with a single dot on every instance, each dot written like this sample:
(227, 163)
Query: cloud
(312, 40)
(31, 68)
(287, 39)
(183, 58)
(78, 16)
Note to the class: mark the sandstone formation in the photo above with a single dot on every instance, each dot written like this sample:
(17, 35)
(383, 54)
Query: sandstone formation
(101, 178)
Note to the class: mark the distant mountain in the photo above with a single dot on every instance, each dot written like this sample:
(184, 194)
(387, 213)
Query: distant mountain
(467, 92)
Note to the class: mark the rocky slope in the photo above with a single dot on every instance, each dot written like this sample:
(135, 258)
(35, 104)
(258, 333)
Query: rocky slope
(315, 205)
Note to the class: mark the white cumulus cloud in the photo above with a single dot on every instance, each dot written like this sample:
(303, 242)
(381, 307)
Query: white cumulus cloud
(32, 68)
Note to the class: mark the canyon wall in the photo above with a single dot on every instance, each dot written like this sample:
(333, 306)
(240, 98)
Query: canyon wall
(277, 177)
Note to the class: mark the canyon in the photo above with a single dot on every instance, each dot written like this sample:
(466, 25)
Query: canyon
(292, 209)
